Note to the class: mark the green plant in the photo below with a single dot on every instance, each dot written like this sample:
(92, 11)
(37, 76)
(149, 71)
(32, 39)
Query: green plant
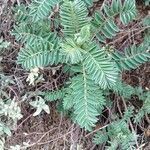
(40, 105)
(104, 22)
(145, 98)
(147, 2)
(132, 57)
(119, 134)
(96, 70)
(10, 113)
(3, 45)
(74, 40)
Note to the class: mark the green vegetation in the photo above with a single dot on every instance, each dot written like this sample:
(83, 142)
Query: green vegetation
(61, 35)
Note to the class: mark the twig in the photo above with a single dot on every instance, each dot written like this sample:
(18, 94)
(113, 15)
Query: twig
(130, 123)
(74, 138)
(147, 118)
(13, 92)
(23, 122)
(119, 108)
(18, 2)
(127, 32)
(103, 5)
(46, 142)
(140, 147)
(97, 130)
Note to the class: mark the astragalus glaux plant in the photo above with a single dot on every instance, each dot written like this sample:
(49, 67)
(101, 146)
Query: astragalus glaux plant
(56, 32)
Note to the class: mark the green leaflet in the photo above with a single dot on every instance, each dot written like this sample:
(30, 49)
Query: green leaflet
(102, 70)
(34, 56)
(104, 21)
(133, 56)
(34, 34)
(73, 16)
(87, 99)
(54, 95)
(40, 9)
(71, 51)
(128, 11)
